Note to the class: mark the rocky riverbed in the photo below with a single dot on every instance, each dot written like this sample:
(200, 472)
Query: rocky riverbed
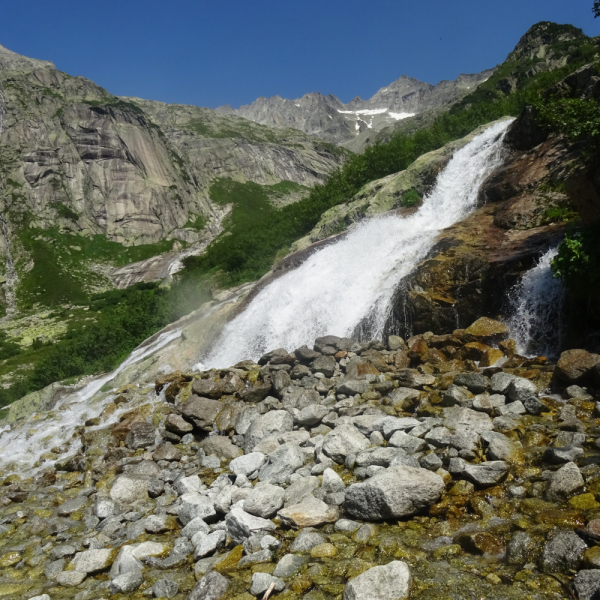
(443, 466)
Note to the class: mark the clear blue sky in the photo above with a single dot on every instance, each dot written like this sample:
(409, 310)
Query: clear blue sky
(232, 51)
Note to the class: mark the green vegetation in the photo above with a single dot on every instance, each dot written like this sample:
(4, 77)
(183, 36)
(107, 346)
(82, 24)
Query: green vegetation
(197, 222)
(121, 319)
(559, 214)
(410, 198)
(60, 274)
(65, 212)
(578, 261)
(577, 119)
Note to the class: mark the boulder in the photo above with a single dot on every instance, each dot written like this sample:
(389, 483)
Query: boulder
(128, 489)
(486, 331)
(92, 561)
(587, 584)
(564, 482)
(474, 382)
(264, 501)
(393, 493)
(562, 552)
(457, 417)
(488, 473)
(311, 415)
(325, 365)
(352, 387)
(166, 451)
(202, 412)
(213, 586)
(141, 435)
(311, 512)
(289, 565)
(241, 525)
(281, 464)
(177, 424)
(261, 582)
(387, 582)
(576, 366)
(299, 490)
(247, 464)
(273, 422)
(221, 446)
(342, 441)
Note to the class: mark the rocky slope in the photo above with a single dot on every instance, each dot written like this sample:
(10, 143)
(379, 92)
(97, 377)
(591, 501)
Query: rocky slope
(358, 471)
(76, 160)
(328, 118)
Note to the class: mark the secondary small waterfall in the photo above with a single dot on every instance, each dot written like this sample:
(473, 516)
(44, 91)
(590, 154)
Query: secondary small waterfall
(536, 310)
(352, 281)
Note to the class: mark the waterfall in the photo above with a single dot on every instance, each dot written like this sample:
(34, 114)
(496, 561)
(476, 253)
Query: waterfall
(352, 281)
(536, 307)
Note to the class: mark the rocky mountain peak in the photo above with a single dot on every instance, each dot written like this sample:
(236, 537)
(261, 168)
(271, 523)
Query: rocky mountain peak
(10, 60)
(541, 35)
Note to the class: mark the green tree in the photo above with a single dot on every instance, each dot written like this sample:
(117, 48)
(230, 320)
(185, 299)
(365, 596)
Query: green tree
(596, 8)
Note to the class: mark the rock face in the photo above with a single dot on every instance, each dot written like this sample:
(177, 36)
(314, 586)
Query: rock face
(395, 492)
(133, 171)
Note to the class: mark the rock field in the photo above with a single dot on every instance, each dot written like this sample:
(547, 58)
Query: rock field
(443, 466)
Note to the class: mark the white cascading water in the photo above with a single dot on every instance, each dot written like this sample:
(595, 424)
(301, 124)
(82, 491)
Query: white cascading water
(536, 310)
(22, 446)
(340, 286)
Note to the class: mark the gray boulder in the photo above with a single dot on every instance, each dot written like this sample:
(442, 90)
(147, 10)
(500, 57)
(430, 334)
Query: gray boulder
(564, 482)
(141, 435)
(500, 382)
(395, 492)
(273, 422)
(342, 441)
(311, 415)
(306, 541)
(241, 525)
(247, 464)
(518, 549)
(587, 584)
(457, 417)
(213, 586)
(387, 582)
(289, 565)
(487, 473)
(406, 442)
(124, 584)
(261, 582)
(311, 512)
(562, 552)
(474, 382)
(520, 389)
(299, 490)
(208, 544)
(165, 588)
(264, 500)
(281, 464)
(352, 387)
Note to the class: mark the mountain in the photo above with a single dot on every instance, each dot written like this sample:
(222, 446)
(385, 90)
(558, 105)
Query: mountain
(328, 118)
(90, 181)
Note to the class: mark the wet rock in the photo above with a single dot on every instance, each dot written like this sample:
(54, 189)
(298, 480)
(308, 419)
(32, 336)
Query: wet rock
(474, 382)
(457, 396)
(311, 512)
(559, 456)
(306, 541)
(202, 412)
(486, 331)
(264, 501)
(213, 586)
(576, 366)
(479, 543)
(395, 492)
(289, 565)
(352, 387)
(325, 365)
(406, 442)
(487, 473)
(53, 568)
(342, 441)
(261, 582)
(165, 588)
(194, 505)
(457, 417)
(562, 552)
(92, 561)
(210, 543)
(534, 406)
(141, 435)
(70, 506)
(587, 584)
(129, 582)
(564, 482)
(207, 389)
(70, 578)
(499, 447)
(519, 548)
(500, 382)
(311, 415)
(388, 582)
